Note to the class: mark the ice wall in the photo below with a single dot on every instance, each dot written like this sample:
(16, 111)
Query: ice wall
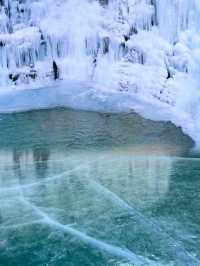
(85, 38)
(97, 40)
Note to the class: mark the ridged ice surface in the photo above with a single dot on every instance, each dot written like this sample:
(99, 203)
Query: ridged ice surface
(122, 192)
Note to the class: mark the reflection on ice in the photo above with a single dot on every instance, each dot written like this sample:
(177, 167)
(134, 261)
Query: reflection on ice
(43, 181)
(147, 174)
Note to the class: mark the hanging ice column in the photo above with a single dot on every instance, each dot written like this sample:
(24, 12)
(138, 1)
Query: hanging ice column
(71, 36)
(19, 41)
(175, 16)
(34, 33)
(99, 40)
(85, 38)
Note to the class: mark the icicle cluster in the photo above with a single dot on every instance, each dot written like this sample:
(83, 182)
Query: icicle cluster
(131, 44)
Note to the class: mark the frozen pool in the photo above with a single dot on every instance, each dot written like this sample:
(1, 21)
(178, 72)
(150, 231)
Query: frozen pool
(80, 188)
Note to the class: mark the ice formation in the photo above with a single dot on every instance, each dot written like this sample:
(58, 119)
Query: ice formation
(147, 49)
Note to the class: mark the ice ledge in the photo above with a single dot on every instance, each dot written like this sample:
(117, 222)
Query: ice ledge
(86, 96)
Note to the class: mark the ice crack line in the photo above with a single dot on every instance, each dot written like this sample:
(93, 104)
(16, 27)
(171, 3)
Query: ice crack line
(49, 179)
(99, 244)
(46, 180)
(175, 246)
(16, 226)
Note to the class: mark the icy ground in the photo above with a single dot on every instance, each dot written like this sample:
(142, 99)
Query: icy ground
(134, 54)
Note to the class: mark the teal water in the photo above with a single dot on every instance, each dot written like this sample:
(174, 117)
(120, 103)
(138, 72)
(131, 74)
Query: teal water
(79, 188)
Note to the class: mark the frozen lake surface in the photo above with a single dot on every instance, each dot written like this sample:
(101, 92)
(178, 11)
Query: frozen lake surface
(85, 189)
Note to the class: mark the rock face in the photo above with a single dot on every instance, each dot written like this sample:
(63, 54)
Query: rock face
(115, 43)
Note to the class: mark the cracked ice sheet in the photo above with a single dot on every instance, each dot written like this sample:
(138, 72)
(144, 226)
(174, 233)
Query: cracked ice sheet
(102, 217)
(113, 211)
(99, 244)
(37, 230)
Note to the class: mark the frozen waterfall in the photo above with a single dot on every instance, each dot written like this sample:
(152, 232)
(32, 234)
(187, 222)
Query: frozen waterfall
(146, 48)
(96, 39)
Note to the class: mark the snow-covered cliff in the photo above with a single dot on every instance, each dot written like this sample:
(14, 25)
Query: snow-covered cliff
(146, 48)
